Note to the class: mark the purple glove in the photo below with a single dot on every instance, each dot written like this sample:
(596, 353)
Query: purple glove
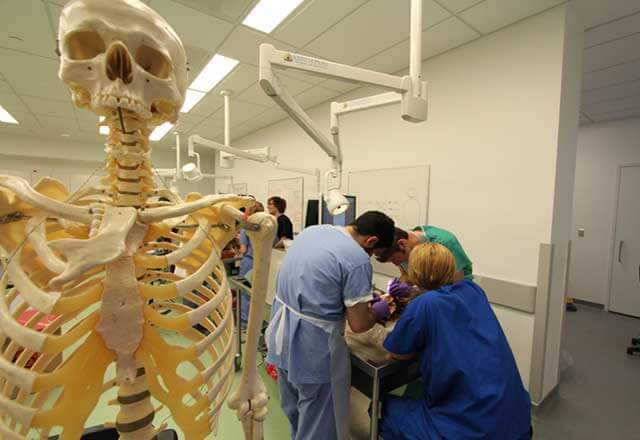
(398, 289)
(381, 310)
(376, 298)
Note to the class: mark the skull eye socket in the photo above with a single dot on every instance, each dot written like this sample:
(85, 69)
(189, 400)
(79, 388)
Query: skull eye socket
(153, 61)
(84, 45)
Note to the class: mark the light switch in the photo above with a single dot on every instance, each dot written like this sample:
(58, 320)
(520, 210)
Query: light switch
(581, 232)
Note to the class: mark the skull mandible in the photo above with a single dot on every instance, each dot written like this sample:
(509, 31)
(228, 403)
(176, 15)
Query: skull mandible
(121, 53)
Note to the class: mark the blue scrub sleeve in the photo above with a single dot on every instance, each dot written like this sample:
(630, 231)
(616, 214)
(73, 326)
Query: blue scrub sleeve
(408, 336)
(244, 239)
(357, 285)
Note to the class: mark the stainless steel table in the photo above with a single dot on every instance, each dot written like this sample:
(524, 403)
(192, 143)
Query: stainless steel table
(375, 379)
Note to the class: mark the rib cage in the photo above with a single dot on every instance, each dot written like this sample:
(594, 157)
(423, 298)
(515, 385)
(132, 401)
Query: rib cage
(35, 399)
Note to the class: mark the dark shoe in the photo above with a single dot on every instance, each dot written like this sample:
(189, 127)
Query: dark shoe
(571, 307)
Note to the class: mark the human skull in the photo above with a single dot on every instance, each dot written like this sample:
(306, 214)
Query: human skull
(122, 54)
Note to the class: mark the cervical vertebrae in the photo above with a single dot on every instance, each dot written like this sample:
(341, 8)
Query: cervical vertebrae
(96, 266)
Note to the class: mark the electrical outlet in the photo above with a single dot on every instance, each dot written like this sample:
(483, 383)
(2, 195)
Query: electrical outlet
(581, 232)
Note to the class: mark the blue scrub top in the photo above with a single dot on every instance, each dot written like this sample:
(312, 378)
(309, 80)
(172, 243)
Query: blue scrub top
(472, 386)
(324, 271)
(246, 264)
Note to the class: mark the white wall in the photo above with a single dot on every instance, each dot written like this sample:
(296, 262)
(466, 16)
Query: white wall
(494, 141)
(602, 149)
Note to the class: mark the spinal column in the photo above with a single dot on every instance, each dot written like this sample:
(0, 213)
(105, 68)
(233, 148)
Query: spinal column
(129, 175)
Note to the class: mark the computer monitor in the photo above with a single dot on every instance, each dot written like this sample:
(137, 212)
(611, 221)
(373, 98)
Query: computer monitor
(344, 219)
(311, 218)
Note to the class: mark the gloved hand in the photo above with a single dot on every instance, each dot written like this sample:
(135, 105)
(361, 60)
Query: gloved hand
(381, 310)
(376, 298)
(398, 289)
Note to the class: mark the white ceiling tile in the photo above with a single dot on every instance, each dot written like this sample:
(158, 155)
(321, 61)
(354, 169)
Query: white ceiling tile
(12, 102)
(193, 27)
(209, 129)
(24, 26)
(594, 12)
(617, 29)
(339, 86)
(243, 45)
(186, 122)
(437, 39)
(616, 52)
(300, 76)
(612, 106)
(209, 104)
(57, 125)
(269, 117)
(49, 107)
(240, 112)
(372, 28)
(55, 10)
(196, 59)
(312, 19)
(256, 95)
(631, 88)
(240, 79)
(315, 96)
(229, 10)
(458, 5)
(27, 123)
(491, 15)
(612, 75)
(32, 75)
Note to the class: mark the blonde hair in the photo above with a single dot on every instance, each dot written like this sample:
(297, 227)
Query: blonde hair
(431, 266)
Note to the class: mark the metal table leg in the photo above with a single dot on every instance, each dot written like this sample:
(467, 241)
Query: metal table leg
(375, 406)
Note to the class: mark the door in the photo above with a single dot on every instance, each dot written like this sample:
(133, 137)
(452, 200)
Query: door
(625, 282)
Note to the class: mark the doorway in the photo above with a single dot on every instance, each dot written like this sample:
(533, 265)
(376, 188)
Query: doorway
(625, 272)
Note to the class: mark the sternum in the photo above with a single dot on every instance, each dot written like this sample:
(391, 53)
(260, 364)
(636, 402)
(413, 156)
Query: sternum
(121, 316)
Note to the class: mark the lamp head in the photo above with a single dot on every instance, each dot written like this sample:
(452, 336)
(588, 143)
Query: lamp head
(191, 172)
(336, 202)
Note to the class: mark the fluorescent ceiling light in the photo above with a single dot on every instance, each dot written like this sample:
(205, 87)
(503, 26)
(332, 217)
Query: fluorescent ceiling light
(103, 128)
(191, 99)
(160, 131)
(216, 69)
(5, 116)
(268, 14)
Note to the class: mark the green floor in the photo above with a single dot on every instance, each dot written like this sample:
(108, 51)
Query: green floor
(275, 427)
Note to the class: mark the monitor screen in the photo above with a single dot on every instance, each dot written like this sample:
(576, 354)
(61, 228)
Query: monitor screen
(344, 219)
(312, 213)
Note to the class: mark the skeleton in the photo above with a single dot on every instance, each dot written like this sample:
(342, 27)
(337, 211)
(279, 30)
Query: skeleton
(87, 260)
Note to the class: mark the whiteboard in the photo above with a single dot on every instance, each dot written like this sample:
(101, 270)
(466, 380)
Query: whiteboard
(239, 188)
(401, 193)
(292, 190)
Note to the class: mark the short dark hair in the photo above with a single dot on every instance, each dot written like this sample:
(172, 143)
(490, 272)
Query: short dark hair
(279, 203)
(399, 234)
(377, 224)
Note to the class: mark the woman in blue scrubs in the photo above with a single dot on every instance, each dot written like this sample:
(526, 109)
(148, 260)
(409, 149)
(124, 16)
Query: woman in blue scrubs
(472, 387)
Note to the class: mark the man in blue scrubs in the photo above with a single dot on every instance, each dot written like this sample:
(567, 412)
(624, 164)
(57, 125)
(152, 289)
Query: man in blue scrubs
(472, 387)
(325, 277)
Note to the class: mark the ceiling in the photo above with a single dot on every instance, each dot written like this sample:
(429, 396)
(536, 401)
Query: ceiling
(346, 31)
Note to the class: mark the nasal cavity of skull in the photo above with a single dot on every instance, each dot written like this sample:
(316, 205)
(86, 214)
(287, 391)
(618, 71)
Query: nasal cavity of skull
(118, 63)
(84, 45)
(153, 61)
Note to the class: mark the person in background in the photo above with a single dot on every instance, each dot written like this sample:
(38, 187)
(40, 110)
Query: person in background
(276, 207)
(472, 387)
(246, 265)
(324, 278)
